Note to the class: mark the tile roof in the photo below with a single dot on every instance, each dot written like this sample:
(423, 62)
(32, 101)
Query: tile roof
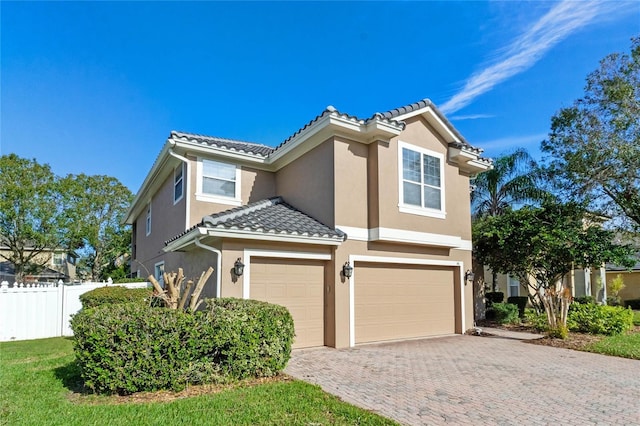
(272, 216)
(230, 144)
(266, 151)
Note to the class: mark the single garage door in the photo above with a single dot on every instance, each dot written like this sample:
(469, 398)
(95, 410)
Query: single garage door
(297, 285)
(402, 301)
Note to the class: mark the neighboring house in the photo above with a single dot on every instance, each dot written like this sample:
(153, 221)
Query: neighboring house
(631, 279)
(57, 265)
(387, 196)
(582, 282)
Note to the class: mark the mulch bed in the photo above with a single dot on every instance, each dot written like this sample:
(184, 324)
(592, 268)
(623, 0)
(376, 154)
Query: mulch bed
(575, 341)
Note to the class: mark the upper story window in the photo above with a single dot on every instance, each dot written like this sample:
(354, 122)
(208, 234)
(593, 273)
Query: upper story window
(178, 183)
(218, 182)
(148, 220)
(421, 181)
(59, 259)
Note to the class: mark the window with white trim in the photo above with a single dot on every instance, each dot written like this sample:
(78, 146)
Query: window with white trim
(421, 181)
(513, 286)
(178, 183)
(148, 220)
(218, 182)
(158, 273)
(59, 259)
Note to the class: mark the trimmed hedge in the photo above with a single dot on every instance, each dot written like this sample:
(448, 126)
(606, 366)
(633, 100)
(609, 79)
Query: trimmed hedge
(131, 347)
(521, 302)
(633, 304)
(494, 297)
(584, 300)
(115, 294)
(599, 319)
(505, 313)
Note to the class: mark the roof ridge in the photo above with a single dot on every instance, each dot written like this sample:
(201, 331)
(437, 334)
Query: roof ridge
(217, 138)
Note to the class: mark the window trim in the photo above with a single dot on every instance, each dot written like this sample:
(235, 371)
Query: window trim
(511, 280)
(416, 210)
(160, 278)
(201, 196)
(175, 183)
(147, 223)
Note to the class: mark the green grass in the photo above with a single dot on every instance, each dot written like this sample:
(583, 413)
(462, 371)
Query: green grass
(38, 379)
(624, 345)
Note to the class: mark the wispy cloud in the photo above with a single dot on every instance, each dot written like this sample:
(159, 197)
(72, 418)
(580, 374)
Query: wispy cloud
(471, 116)
(563, 19)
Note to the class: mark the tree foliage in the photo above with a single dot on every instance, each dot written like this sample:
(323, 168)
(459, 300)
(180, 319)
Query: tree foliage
(98, 207)
(41, 213)
(540, 245)
(594, 145)
(32, 218)
(514, 179)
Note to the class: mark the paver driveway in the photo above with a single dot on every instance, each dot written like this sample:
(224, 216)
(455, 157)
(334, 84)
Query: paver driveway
(477, 380)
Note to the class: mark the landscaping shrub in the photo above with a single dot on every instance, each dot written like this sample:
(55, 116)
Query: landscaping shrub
(613, 301)
(115, 294)
(494, 297)
(254, 338)
(506, 313)
(599, 319)
(633, 304)
(536, 320)
(521, 302)
(636, 318)
(131, 347)
(583, 300)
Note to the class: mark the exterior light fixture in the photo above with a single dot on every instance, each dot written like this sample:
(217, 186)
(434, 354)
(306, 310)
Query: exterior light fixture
(469, 276)
(238, 268)
(347, 270)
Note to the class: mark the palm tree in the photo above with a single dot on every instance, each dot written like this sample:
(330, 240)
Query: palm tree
(514, 180)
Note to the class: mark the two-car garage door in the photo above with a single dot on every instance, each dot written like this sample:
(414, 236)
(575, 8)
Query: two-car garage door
(298, 285)
(394, 301)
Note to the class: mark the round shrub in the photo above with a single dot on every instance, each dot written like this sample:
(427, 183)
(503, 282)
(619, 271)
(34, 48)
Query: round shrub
(505, 313)
(583, 300)
(494, 297)
(599, 319)
(132, 347)
(254, 338)
(115, 294)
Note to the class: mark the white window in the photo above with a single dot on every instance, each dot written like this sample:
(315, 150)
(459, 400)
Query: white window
(421, 177)
(218, 182)
(178, 183)
(158, 273)
(59, 259)
(513, 286)
(148, 220)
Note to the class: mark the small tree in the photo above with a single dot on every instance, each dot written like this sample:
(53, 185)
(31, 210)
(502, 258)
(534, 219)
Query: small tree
(616, 286)
(545, 244)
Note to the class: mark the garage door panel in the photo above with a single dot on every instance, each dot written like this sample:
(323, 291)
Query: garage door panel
(402, 301)
(298, 285)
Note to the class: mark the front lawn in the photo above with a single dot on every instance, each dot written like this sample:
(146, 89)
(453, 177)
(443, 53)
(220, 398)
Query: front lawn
(39, 384)
(625, 345)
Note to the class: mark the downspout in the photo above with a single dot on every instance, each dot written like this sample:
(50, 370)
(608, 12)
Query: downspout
(218, 264)
(186, 178)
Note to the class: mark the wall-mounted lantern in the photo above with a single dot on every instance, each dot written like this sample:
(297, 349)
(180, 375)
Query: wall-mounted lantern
(469, 276)
(238, 268)
(347, 270)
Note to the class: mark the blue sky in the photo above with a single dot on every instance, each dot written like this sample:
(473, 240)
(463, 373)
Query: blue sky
(96, 87)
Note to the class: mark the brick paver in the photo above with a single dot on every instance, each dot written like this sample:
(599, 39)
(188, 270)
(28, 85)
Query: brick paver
(477, 380)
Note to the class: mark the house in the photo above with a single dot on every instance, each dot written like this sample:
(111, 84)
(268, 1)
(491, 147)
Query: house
(630, 277)
(361, 227)
(54, 265)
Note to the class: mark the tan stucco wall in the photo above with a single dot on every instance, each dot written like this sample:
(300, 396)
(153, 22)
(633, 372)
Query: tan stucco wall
(456, 186)
(351, 183)
(631, 281)
(167, 221)
(307, 183)
(255, 185)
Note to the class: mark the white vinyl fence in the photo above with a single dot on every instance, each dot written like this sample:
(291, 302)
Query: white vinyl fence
(36, 311)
